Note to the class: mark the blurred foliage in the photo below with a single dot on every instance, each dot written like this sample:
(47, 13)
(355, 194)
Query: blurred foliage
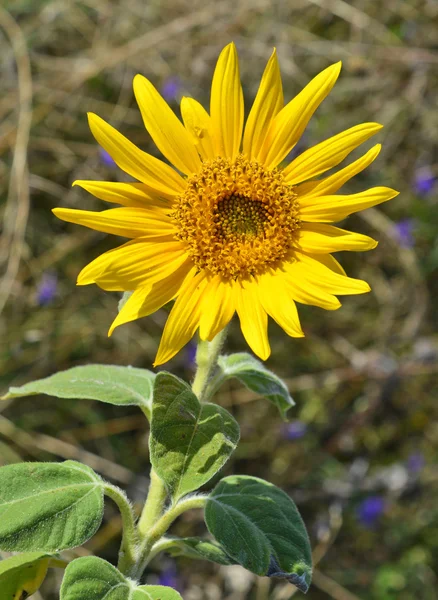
(363, 378)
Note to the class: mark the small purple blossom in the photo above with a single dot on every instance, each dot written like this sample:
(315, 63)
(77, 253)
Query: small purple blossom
(404, 232)
(424, 181)
(46, 289)
(171, 89)
(106, 158)
(415, 462)
(190, 355)
(294, 430)
(299, 147)
(169, 578)
(370, 510)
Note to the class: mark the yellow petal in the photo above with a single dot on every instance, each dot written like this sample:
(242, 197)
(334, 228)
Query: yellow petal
(322, 239)
(331, 263)
(126, 194)
(148, 299)
(226, 104)
(135, 264)
(167, 131)
(326, 209)
(278, 303)
(268, 102)
(328, 280)
(184, 317)
(158, 176)
(288, 126)
(198, 123)
(305, 290)
(330, 185)
(218, 308)
(328, 154)
(127, 222)
(253, 318)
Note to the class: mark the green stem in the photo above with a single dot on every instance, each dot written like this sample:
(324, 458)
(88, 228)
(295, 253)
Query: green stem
(153, 524)
(206, 360)
(154, 505)
(215, 383)
(160, 546)
(160, 528)
(128, 548)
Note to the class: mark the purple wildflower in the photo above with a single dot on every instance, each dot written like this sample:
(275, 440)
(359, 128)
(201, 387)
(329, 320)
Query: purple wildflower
(415, 462)
(404, 231)
(46, 289)
(106, 158)
(424, 181)
(190, 355)
(169, 577)
(294, 430)
(299, 147)
(370, 510)
(171, 89)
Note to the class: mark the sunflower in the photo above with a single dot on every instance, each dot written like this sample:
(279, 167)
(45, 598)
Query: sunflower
(228, 228)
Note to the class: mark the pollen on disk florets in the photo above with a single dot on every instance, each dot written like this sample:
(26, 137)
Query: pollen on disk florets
(236, 217)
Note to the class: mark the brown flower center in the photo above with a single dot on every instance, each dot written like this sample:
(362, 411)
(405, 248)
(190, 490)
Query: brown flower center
(237, 218)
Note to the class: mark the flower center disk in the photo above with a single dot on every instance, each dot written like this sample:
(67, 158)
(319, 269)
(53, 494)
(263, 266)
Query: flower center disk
(236, 217)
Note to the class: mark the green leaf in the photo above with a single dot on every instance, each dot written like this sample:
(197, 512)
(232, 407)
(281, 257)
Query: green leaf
(189, 441)
(200, 549)
(22, 575)
(92, 578)
(48, 506)
(259, 526)
(252, 373)
(157, 592)
(123, 386)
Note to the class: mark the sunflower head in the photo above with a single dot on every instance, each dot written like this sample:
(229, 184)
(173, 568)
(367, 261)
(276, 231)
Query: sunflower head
(229, 228)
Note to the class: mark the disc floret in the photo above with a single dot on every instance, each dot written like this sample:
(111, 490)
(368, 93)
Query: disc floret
(237, 217)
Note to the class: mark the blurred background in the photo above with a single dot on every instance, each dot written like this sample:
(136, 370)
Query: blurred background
(359, 455)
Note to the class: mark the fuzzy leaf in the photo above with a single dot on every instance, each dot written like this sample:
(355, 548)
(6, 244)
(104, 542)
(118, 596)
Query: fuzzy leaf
(92, 578)
(111, 384)
(259, 526)
(48, 507)
(156, 592)
(22, 575)
(189, 441)
(256, 377)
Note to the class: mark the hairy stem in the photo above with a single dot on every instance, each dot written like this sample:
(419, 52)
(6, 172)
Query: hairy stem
(160, 546)
(161, 526)
(128, 548)
(214, 384)
(206, 360)
(154, 506)
(153, 524)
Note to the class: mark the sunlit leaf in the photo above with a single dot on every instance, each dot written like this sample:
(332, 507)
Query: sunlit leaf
(122, 386)
(48, 506)
(92, 578)
(189, 441)
(22, 575)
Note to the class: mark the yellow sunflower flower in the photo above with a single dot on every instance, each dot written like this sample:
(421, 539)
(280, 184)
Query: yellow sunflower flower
(228, 229)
